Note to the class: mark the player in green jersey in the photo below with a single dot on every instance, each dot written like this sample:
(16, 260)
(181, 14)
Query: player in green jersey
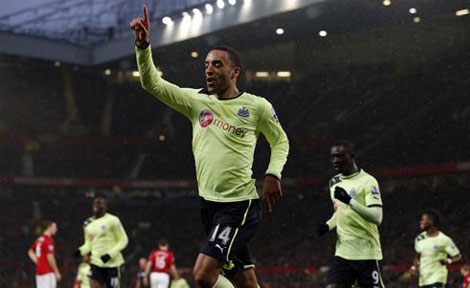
(433, 249)
(226, 124)
(105, 238)
(82, 280)
(358, 212)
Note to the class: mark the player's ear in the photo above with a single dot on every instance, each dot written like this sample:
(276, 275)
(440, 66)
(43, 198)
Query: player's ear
(236, 71)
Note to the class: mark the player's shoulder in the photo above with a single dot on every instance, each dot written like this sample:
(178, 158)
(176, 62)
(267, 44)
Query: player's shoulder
(112, 217)
(88, 221)
(334, 180)
(421, 236)
(367, 176)
(444, 236)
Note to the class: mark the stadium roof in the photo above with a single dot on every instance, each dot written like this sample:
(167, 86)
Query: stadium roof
(92, 32)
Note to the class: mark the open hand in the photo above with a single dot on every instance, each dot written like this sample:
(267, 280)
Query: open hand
(271, 191)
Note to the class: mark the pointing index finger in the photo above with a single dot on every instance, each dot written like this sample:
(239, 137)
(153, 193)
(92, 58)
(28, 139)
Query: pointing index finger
(146, 16)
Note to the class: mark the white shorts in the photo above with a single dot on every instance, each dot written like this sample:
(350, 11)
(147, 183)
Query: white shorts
(159, 280)
(46, 281)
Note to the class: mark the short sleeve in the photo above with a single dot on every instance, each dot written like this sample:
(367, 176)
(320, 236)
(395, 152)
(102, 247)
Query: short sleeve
(372, 194)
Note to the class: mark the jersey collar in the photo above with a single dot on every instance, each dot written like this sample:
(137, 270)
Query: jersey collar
(352, 175)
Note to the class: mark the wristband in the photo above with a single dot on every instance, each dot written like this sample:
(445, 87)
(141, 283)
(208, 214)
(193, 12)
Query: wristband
(449, 261)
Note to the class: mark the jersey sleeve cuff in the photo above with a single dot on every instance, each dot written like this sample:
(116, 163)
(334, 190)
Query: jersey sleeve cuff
(273, 175)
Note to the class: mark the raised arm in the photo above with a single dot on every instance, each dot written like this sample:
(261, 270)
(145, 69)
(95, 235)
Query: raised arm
(270, 127)
(150, 79)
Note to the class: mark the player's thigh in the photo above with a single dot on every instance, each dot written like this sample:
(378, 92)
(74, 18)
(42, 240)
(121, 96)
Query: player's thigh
(341, 273)
(435, 285)
(370, 274)
(95, 284)
(206, 269)
(245, 279)
(233, 226)
(97, 276)
(113, 277)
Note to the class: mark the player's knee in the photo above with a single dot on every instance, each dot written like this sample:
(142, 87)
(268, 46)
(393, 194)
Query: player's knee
(335, 286)
(204, 278)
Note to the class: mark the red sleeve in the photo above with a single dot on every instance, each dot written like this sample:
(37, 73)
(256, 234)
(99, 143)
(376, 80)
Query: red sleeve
(171, 259)
(152, 257)
(33, 247)
(49, 247)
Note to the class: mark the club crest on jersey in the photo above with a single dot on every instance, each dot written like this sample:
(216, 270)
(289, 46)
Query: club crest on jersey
(274, 115)
(353, 193)
(206, 117)
(243, 112)
(375, 191)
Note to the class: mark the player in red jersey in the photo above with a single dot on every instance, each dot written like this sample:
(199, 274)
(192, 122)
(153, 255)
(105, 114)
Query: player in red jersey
(465, 271)
(161, 261)
(42, 254)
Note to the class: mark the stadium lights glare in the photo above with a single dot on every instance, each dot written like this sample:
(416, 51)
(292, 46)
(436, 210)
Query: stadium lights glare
(167, 20)
(247, 1)
(135, 74)
(284, 74)
(161, 138)
(262, 74)
(220, 4)
(209, 9)
(387, 2)
(416, 19)
(462, 12)
(186, 15)
(197, 12)
(194, 54)
(412, 10)
(232, 2)
(107, 72)
(279, 31)
(323, 33)
(57, 63)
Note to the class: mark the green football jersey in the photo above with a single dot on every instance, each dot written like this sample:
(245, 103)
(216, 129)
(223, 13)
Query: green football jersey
(104, 235)
(358, 239)
(225, 132)
(432, 250)
(82, 275)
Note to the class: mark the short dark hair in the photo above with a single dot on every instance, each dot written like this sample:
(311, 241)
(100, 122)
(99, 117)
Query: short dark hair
(162, 242)
(233, 55)
(349, 146)
(433, 214)
(46, 224)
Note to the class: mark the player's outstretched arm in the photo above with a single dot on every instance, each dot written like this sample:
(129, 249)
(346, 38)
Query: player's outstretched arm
(32, 256)
(150, 79)
(328, 226)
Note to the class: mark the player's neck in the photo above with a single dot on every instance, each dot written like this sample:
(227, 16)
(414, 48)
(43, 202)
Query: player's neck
(100, 215)
(231, 92)
(47, 233)
(432, 232)
(351, 170)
